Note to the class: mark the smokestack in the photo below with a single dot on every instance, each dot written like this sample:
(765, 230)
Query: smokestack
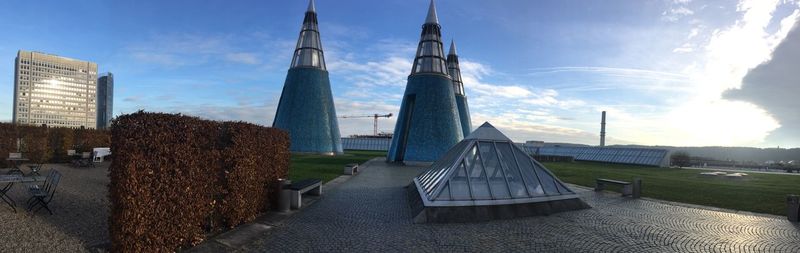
(603, 130)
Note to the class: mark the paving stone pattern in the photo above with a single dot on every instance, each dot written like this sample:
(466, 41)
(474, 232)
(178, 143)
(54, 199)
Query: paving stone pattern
(370, 213)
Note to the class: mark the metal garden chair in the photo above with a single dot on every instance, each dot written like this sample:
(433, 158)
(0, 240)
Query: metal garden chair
(35, 169)
(3, 195)
(42, 196)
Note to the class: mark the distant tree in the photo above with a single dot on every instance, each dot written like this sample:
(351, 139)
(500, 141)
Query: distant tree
(680, 159)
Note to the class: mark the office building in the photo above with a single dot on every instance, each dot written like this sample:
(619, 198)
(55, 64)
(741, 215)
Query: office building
(54, 91)
(105, 100)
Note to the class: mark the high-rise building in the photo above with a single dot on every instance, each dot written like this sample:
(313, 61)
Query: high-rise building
(54, 90)
(458, 86)
(105, 100)
(428, 123)
(306, 109)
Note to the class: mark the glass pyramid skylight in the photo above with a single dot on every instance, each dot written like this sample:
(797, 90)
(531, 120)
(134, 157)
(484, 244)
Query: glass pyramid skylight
(486, 168)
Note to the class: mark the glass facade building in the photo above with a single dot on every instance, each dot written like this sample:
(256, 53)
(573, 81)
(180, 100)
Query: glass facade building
(637, 156)
(428, 123)
(54, 91)
(454, 70)
(105, 100)
(306, 109)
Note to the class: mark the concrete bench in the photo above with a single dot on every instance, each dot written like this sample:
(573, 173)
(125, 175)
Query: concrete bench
(628, 189)
(351, 169)
(313, 186)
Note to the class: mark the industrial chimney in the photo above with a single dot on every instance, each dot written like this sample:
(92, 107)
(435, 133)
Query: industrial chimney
(603, 130)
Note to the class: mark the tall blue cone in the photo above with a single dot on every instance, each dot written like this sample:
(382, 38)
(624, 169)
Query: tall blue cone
(428, 123)
(306, 107)
(458, 86)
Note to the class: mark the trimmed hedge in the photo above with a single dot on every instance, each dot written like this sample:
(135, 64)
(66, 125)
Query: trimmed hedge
(44, 144)
(175, 177)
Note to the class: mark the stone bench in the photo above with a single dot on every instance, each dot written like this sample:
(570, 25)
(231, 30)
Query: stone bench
(351, 169)
(628, 189)
(313, 186)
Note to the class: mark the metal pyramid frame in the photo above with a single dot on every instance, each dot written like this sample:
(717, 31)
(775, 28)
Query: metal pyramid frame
(487, 168)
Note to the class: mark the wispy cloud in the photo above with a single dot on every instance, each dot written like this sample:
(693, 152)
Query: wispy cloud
(621, 72)
(245, 58)
(616, 78)
(185, 49)
(675, 14)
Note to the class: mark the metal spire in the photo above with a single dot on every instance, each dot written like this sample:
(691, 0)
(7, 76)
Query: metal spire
(454, 70)
(432, 18)
(308, 52)
(430, 52)
(311, 6)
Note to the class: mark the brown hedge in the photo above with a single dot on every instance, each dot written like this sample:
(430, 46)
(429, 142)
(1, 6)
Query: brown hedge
(175, 177)
(44, 144)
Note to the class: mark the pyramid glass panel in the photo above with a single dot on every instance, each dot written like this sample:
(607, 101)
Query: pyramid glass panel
(531, 180)
(458, 185)
(547, 182)
(515, 182)
(494, 171)
(477, 176)
(445, 194)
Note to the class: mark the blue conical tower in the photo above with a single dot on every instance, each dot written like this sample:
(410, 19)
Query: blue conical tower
(306, 107)
(458, 86)
(428, 123)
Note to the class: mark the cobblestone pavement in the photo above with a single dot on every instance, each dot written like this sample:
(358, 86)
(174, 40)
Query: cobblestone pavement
(370, 213)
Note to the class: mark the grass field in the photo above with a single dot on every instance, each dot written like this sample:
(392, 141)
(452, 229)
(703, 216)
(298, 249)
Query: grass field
(327, 167)
(762, 193)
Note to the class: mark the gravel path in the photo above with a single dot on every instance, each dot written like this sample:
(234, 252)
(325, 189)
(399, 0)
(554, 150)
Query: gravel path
(79, 222)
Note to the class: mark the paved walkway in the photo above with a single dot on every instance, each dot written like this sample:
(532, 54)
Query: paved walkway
(370, 213)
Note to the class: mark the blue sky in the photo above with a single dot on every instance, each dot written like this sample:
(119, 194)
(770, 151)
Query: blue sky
(539, 70)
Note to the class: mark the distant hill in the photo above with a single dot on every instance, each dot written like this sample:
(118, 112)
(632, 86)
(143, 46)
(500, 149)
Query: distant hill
(741, 154)
(738, 154)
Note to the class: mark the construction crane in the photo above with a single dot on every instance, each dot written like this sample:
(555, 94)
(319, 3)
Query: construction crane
(374, 116)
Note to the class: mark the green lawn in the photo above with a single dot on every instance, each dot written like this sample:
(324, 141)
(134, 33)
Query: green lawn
(762, 193)
(327, 167)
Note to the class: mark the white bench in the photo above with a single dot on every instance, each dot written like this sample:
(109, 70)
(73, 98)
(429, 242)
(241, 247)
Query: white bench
(313, 186)
(628, 189)
(351, 169)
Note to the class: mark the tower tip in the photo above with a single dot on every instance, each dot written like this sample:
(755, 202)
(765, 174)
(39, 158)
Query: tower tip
(311, 6)
(453, 50)
(432, 18)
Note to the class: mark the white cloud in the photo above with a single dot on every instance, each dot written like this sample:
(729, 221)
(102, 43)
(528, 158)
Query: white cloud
(694, 32)
(245, 58)
(391, 71)
(674, 14)
(702, 117)
(731, 52)
(185, 49)
(685, 48)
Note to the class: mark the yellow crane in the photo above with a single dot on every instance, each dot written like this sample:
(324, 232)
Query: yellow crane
(375, 121)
